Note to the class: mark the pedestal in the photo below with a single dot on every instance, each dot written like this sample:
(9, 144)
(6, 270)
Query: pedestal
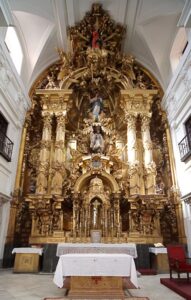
(26, 263)
(95, 236)
(98, 287)
(159, 260)
(162, 265)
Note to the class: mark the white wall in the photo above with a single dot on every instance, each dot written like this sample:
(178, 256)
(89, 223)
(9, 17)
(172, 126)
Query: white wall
(4, 214)
(14, 103)
(177, 104)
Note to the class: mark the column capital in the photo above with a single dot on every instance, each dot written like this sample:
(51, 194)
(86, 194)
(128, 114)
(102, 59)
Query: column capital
(145, 119)
(137, 100)
(55, 101)
(46, 113)
(129, 115)
(145, 116)
(47, 120)
(61, 118)
(131, 119)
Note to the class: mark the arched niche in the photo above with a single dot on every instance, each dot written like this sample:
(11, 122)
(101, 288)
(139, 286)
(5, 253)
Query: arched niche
(83, 180)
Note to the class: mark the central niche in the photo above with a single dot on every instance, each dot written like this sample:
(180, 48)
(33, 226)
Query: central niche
(96, 204)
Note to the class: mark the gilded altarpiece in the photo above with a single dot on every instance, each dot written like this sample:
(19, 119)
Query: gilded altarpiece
(96, 149)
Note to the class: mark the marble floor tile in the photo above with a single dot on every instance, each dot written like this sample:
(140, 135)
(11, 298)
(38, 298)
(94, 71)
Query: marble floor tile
(38, 286)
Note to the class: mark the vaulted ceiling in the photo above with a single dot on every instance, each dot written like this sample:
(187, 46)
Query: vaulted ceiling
(151, 28)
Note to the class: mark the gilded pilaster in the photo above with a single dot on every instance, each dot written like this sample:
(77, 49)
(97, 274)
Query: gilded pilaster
(18, 185)
(75, 214)
(12, 217)
(21, 155)
(117, 215)
(175, 189)
(171, 158)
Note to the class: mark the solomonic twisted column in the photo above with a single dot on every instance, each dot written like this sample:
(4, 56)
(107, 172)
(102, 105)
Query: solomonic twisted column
(117, 215)
(42, 178)
(75, 214)
(60, 138)
(149, 164)
(58, 170)
(131, 138)
(133, 163)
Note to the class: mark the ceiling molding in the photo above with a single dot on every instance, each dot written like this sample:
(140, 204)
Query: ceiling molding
(122, 12)
(61, 21)
(133, 10)
(185, 18)
(71, 12)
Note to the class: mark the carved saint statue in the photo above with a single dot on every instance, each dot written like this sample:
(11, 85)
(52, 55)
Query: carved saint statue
(96, 106)
(96, 40)
(51, 84)
(97, 141)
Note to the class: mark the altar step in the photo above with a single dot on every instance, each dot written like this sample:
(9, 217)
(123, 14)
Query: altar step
(94, 294)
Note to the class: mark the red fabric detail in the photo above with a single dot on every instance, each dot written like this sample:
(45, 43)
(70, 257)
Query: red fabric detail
(177, 259)
(180, 286)
(95, 39)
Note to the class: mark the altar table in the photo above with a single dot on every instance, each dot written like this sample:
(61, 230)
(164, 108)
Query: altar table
(124, 248)
(26, 259)
(110, 267)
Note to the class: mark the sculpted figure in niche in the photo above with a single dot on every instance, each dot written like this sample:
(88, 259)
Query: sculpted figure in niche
(51, 84)
(96, 106)
(160, 186)
(95, 39)
(140, 82)
(96, 140)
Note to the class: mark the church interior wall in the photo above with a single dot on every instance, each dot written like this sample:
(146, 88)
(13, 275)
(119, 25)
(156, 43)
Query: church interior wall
(4, 220)
(14, 103)
(177, 102)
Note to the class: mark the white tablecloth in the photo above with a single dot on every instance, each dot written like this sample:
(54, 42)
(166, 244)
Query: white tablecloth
(121, 265)
(125, 248)
(27, 250)
(157, 250)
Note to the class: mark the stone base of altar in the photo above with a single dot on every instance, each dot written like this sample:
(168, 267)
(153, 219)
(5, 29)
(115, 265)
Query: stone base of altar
(96, 287)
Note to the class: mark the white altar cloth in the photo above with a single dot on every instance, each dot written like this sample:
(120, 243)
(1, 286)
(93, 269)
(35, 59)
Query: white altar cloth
(158, 250)
(125, 248)
(28, 250)
(121, 265)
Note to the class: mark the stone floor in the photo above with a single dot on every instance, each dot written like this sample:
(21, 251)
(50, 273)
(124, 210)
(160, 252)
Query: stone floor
(38, 286)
